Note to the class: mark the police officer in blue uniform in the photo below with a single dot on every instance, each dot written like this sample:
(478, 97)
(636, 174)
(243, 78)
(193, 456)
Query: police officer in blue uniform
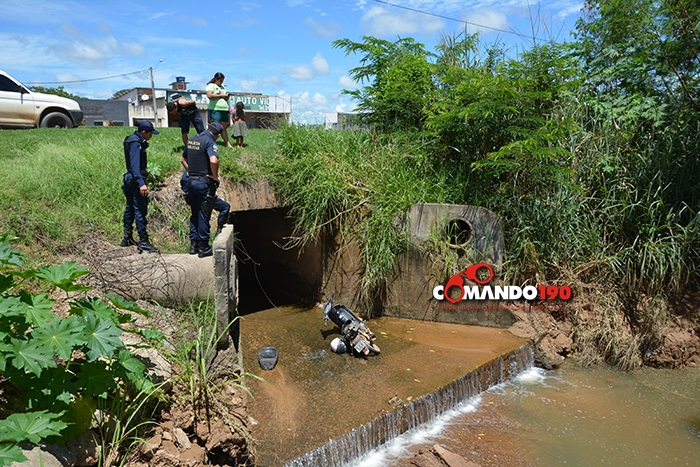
(220, 206)
(201, 161)
(135, 188)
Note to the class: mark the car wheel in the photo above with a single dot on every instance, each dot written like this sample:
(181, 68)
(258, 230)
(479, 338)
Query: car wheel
(56, 120)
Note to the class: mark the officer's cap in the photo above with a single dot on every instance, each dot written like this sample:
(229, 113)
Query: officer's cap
(145, 125)
(216, 128)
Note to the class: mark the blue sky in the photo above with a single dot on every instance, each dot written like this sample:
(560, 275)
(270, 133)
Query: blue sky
(273, 47)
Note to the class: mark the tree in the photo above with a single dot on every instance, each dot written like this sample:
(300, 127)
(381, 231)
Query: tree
(642, 58)
(59, 91)
(399, 83)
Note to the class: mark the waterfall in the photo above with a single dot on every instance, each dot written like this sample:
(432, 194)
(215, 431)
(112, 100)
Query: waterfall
(423, 410)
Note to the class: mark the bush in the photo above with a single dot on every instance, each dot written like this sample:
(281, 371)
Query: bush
(63, 367)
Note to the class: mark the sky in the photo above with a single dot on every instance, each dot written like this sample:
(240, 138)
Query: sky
(273, 47)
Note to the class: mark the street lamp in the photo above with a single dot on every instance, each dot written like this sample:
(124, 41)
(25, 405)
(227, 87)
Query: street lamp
(153, 93)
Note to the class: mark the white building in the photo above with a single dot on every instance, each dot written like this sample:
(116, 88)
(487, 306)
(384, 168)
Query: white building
(261, 111)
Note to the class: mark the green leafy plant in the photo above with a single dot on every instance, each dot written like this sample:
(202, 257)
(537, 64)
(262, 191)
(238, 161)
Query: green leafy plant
(62, 366)
(155, 174)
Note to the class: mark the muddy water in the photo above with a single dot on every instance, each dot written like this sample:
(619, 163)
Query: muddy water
(572, 416)
(314, 395)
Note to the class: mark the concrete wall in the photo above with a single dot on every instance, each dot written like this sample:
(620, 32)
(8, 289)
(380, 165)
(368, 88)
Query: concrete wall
(409, 292)
(178, 279)
(99, 112)
(256, 265)
(226, 286)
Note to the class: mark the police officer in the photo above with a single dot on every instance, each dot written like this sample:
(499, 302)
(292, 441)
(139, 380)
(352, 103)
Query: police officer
(220, 206)
(135, 188)
(189, 114)
(201, 161)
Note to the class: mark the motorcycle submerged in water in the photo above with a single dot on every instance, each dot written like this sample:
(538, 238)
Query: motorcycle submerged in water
(357, 338)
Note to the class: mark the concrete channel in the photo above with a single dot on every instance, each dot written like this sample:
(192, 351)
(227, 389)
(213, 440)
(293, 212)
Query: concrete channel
(318, 408)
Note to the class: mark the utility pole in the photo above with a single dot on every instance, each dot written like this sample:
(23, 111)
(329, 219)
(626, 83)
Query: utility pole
(153, 95)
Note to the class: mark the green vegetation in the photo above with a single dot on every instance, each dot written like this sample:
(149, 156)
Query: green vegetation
(193, 352)
(59, 370)
(58, 186)
(59, 91)
(588, 152)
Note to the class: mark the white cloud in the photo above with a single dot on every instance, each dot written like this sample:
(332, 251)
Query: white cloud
(246, 51)
(273, 80)
(133, 49)
(378, 21)
(345, 107)
(176, 41)
(66, 76)
(309, 108)
(81, 53)
(319, 100)
(193, 19)
(254, 85)
(300, 72)
(249, 85)
(347, 82)
(246, 21)
(70, 30)
(486, 20)
(159, 15)
(320, 65)
(324, 31)
(103, 28)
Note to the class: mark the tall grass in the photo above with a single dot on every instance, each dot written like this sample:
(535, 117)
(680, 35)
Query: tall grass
(58, 184)
(627, 214)
(623, 219)
(354, 183)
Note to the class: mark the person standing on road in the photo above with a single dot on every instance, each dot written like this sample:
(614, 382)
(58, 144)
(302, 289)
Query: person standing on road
(201, 161)
(189, 114)
(240, 128)
(218, 103)
(135, 188)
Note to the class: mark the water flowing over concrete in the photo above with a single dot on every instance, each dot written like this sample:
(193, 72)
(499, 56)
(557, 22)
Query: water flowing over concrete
(425, 409)
(314, 395)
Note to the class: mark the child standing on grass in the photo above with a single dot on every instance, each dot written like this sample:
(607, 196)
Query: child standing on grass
(240, 129)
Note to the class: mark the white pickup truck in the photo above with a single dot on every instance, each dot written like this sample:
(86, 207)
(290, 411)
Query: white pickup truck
(22, 108)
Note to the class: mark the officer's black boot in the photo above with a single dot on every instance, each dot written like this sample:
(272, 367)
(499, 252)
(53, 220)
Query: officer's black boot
(194, 248)
(128, 239)
(145, 245)
(205, 250)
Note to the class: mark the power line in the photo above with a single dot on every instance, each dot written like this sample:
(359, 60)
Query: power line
(95, 79)
(455, 19)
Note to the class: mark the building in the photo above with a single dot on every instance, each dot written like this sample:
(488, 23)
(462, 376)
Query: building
(344, 121)
(262, 111)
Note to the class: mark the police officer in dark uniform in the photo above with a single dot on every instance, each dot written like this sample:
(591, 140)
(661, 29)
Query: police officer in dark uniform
(220, 206)
(135, 188)
(189, 114)
(201, 160)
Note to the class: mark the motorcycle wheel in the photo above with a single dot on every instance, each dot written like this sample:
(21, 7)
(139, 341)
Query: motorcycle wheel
(373, 348)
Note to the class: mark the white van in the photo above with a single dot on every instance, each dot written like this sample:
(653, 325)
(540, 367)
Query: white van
(22, 108)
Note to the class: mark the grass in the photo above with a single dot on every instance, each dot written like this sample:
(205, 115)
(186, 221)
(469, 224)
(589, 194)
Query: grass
(57, 184)
(355, 183)
(627, 217)
(193, 351)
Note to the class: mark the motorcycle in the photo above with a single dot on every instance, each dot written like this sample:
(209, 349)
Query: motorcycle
(356, 335)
